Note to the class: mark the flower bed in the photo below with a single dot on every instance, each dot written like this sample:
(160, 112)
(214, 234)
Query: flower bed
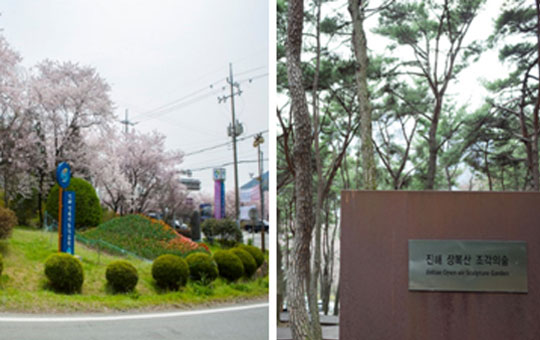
(144, 236)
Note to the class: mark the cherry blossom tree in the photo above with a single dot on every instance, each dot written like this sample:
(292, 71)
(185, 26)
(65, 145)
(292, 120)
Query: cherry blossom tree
(112, 186)
(69, 101)
(135, 174)
(230, 204)
(171, 198)
(202, 197)
(15, 126)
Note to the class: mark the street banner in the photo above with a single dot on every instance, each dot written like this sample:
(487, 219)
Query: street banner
(251, 194)
(244, 211)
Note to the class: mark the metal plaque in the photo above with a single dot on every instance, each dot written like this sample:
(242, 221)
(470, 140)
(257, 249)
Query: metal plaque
(458, 265)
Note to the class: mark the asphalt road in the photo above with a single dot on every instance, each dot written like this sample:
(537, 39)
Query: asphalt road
(227, 323)
(256, 238)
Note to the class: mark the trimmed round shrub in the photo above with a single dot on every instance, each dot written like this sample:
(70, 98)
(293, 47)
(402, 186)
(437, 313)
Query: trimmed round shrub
(8, 220)
(202, 267)
(122, 276)
(87, 209)
(250, 266)
(65, 273)
(209, 228)
(170, 271)
(229, 265)
(228, 233)
(255, 252)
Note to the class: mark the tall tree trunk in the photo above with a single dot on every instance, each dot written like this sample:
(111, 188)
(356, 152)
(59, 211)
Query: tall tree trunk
(336, 301)
(486, 162)
(6, 194)
(502, 179)
(536, 123)
(40, 199)
(280, 276)
(315, 271)
(528, 138)
(298, 274)
(433, 145)
(325, 292)
(357, 177)
(356, 9)
(329, 256)
(287, 234)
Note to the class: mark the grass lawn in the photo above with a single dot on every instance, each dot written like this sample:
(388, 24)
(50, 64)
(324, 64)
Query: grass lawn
(23, 282)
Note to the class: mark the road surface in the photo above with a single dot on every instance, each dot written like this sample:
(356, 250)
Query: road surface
(256, 239)
(249, 322)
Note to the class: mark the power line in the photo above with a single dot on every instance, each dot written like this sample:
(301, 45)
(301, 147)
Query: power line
(222, 158)
(222, 144)
(251, 70)
(165, 111)
(250, 79)
(226, 164)
(172, 103)
(211, 86)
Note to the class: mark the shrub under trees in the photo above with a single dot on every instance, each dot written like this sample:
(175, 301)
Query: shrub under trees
(230, 266)
(202, 267)
(65, 273)
(87, 208)
(170, 271)
(250, 266)
(122, 276)
(257, 254)
(8, 220)
(224, 230)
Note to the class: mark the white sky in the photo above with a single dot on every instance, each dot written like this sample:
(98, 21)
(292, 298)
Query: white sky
(468, 88)
(155, 52)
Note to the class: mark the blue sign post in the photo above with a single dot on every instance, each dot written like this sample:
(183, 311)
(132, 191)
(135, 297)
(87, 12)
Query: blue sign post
(66, 210)
(68, 222)
(63, 175)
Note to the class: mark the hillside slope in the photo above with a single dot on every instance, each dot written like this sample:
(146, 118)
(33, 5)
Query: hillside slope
(143, 236)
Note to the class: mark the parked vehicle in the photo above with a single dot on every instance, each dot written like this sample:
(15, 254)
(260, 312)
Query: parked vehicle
(249, 227)
(205, 211)
(154, 215)
(179, 225)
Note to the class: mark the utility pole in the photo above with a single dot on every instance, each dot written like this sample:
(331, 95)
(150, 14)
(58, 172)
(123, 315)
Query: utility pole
(235, 131)
(126, 122)
(257, 143)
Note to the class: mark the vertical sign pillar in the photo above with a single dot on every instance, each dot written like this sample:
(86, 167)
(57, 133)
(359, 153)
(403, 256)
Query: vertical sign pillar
(219, 193)
(66, 210)
(68, 222)
(217, 199)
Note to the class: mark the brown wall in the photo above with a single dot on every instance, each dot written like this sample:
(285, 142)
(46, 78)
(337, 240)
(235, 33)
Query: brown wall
(375, 300)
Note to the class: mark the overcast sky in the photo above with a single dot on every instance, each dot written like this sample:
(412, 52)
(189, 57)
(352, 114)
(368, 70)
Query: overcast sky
(153, 53)
(466, 90)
